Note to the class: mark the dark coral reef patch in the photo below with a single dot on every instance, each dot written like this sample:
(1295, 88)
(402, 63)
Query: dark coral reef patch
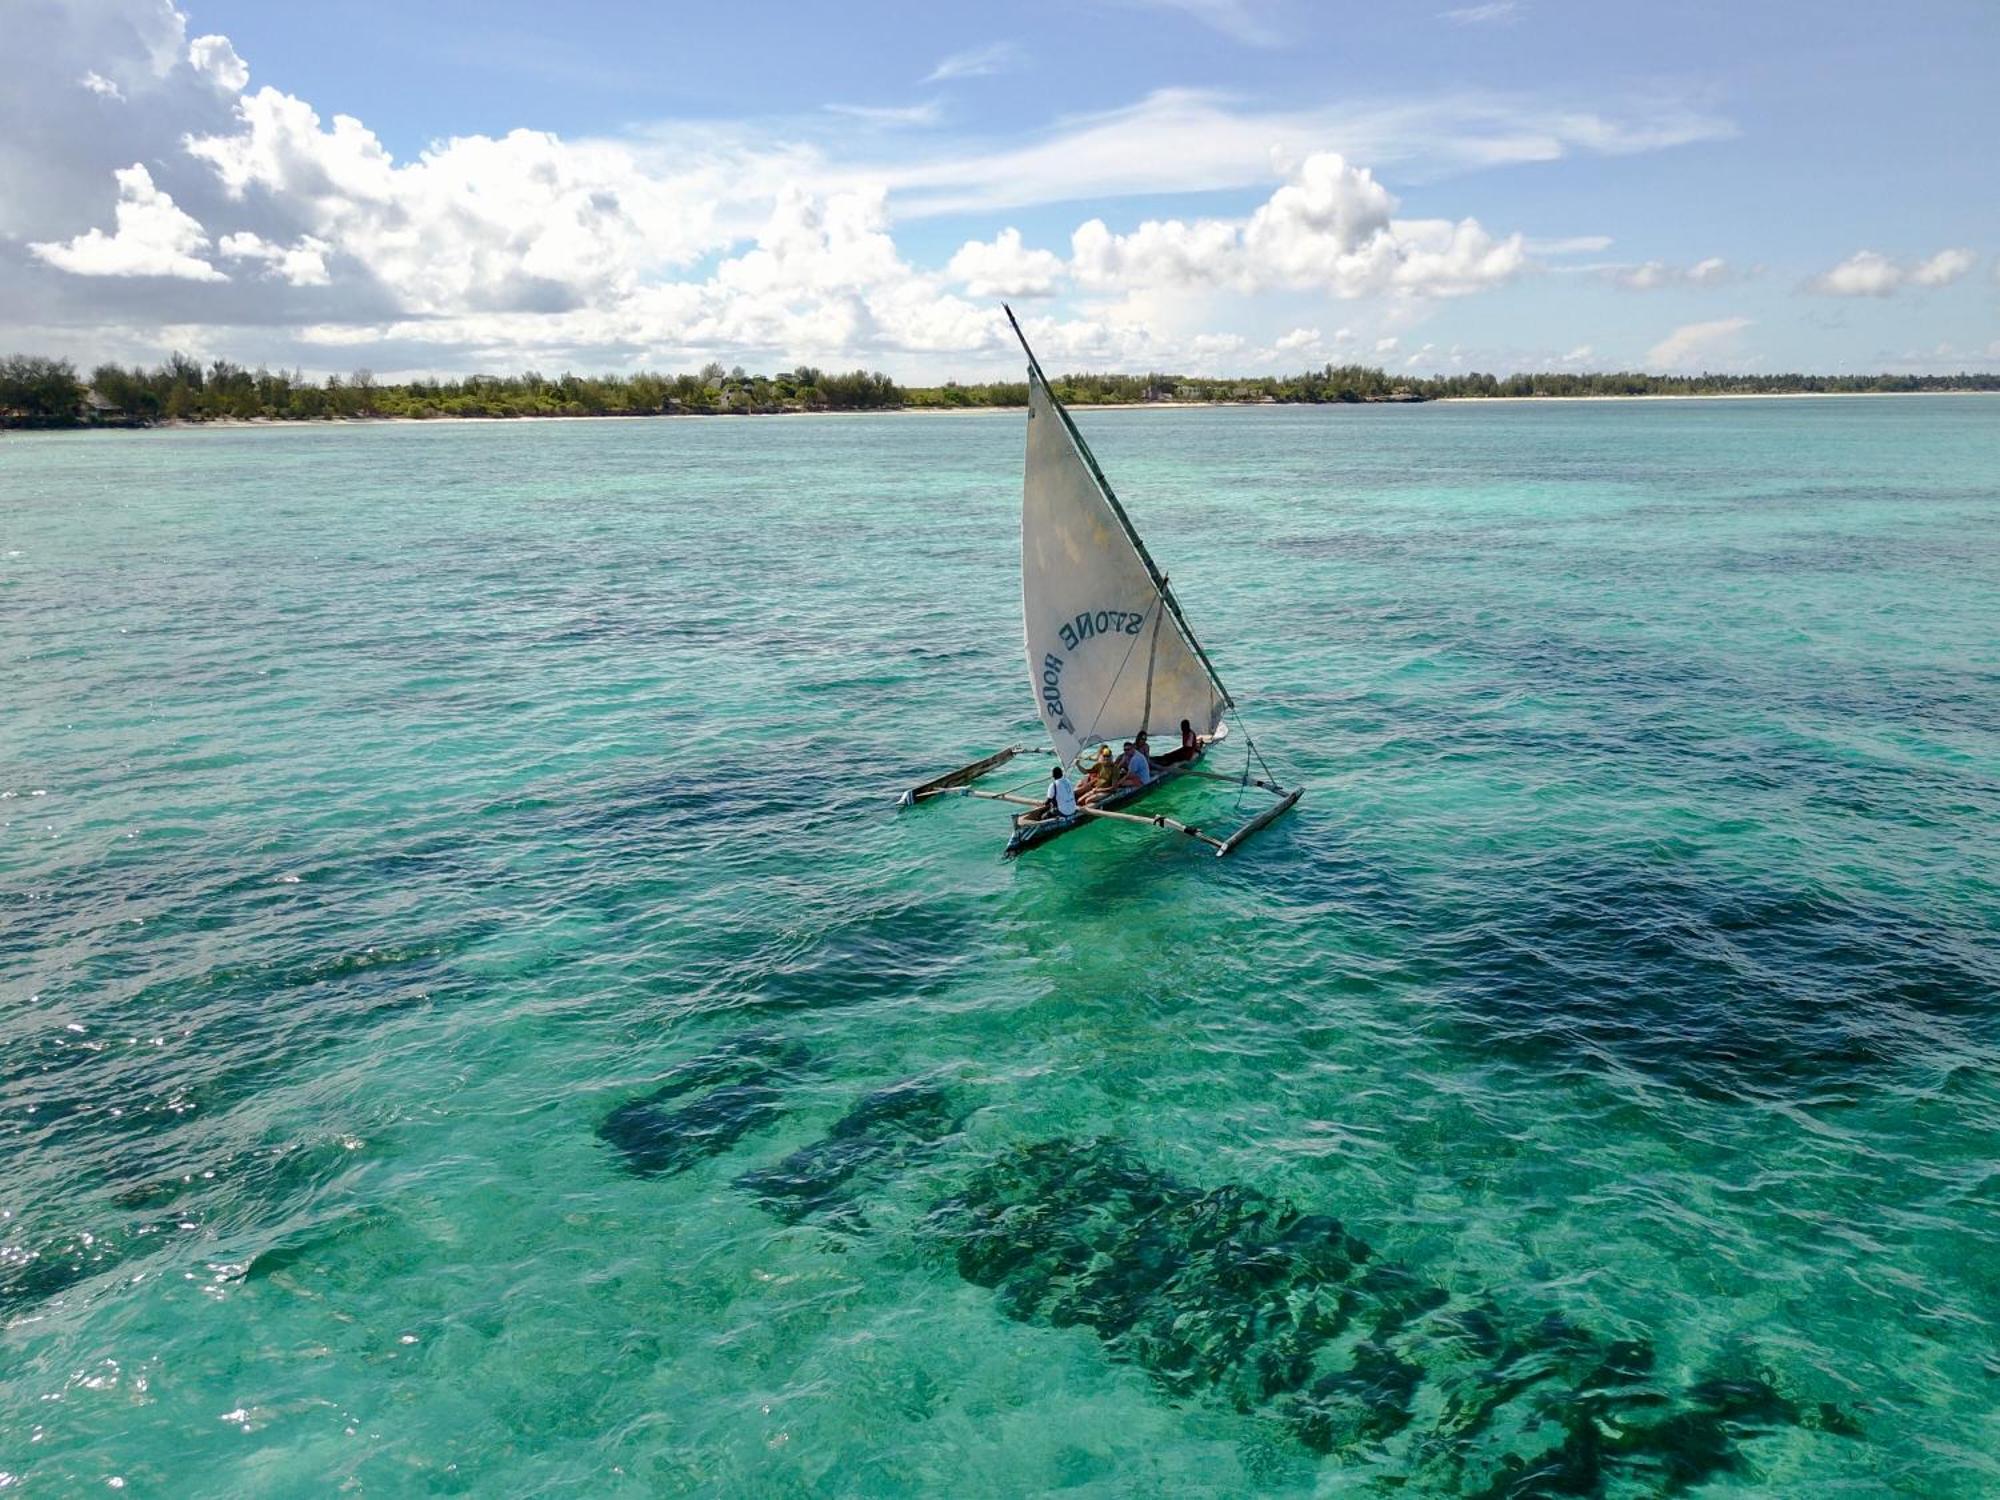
(1231, 1294)
(886, 1131)
(745, 1080)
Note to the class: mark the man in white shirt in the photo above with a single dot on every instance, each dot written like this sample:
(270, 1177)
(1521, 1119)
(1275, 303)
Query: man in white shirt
(1062, 796)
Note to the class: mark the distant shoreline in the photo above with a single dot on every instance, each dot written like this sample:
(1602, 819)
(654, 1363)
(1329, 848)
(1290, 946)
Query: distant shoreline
(183, 424)
(189, 424)
(1704, 396)
(447, 419)
(40, 392)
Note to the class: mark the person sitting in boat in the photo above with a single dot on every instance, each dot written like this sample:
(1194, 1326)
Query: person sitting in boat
(1190, 748)
(1108, 775)
(1138, 767)
(1061, 802)
(1103, 774)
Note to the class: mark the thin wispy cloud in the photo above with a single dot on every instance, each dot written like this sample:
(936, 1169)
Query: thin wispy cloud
(1189, 140)
(1657, 275)
(550, 58)
(1570, 244)
(978, 62)
(1696, 345)
(1493, 13)
(927, 113)
(1237, 19)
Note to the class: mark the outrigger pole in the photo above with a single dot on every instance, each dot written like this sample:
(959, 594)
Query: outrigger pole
(1150, 820)
(963, 776)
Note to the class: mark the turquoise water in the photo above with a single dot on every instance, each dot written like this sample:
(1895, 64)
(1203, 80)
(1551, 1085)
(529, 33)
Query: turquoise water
(455, 939)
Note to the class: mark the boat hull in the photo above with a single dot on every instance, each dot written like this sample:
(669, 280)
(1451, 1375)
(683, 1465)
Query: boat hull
(1029, 832)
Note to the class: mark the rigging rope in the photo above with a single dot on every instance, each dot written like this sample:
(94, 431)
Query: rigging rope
(1117, 677)
(1230, 708)
(1252, 744)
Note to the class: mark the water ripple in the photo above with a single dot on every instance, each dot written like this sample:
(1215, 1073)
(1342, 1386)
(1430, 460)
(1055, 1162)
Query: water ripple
(470, 1019)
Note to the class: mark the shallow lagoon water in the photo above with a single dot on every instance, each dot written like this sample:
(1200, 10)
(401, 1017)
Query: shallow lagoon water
(453, 922)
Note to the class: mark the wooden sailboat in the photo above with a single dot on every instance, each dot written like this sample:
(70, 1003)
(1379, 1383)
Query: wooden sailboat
(1110, 653)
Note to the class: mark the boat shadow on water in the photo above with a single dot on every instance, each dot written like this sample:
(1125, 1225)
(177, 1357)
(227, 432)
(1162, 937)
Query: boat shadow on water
(1231, 1298)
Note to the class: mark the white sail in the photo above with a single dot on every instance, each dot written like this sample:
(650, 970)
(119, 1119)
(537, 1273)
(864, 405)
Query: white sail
(1107, 652)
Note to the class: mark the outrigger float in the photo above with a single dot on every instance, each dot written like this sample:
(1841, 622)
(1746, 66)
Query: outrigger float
(1093, 607)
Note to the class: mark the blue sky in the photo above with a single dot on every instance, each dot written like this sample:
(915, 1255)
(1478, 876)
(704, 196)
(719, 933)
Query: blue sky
(1218, 185)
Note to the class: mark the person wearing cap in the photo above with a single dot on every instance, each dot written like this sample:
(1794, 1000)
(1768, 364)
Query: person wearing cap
(1109, 776)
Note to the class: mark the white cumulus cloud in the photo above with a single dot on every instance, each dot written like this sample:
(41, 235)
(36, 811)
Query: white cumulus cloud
(1943, 268)
(838, 244)
(1005, 267)
(1307, 346)
(1868, 273)
(1331, 228)
(1160, 252)
(215, 59)
(754, 240)
(152, 238)
(1863, 274)
(522, 221)
(299, 264)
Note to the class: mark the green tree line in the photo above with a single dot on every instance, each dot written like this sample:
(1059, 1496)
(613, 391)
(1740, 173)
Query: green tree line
(49, 393)
(41, 392)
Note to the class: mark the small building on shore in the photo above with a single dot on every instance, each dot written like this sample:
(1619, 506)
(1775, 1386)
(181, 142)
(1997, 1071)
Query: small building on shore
(97, 407)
